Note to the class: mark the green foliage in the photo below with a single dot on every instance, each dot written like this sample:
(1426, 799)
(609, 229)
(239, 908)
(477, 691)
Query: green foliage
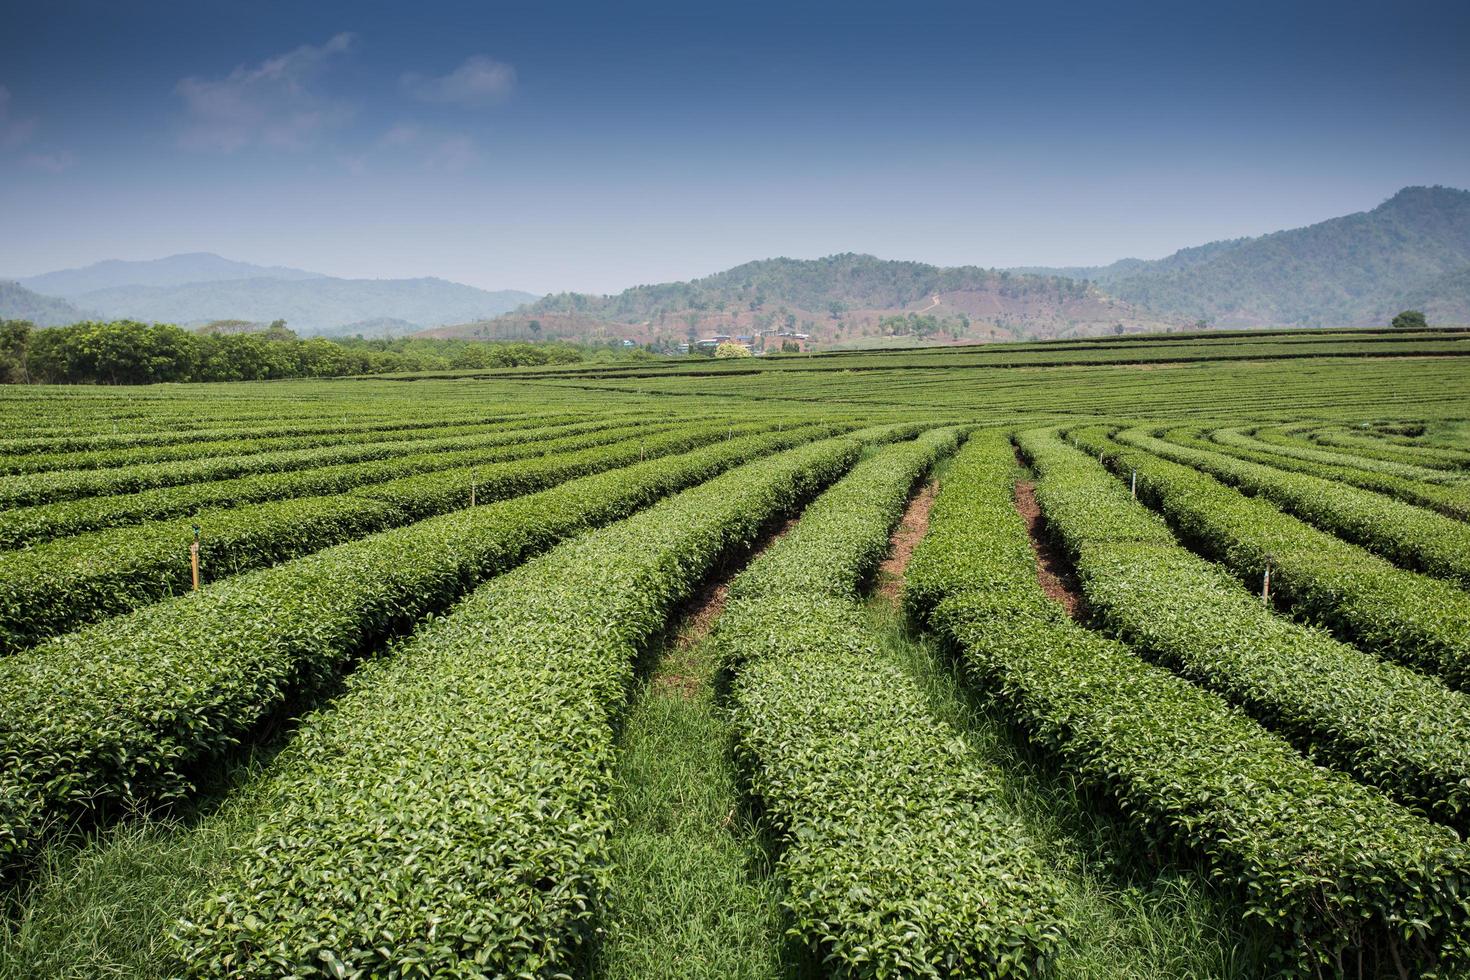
(70, 581)
(451, 816)
(15, 337)
(1411, 618)
(1386, 724)
(899, 862)
(1446, 492)
(1410, 320)
(1330, 865)
(40, 522)
(922, 325)
(187, 678)
(62, 485)
(1405, 534)
(128, 352)
(728, 350)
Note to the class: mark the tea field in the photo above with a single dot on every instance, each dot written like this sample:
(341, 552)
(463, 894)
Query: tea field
(1144, 657)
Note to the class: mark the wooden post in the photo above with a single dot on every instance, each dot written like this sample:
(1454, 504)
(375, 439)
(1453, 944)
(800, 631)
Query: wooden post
(194, 557)
(1134, 487)
(1266, 585)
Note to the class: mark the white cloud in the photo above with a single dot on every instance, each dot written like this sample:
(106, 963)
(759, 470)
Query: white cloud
(13, 132)
(453, 154)
(54, 162)
(481, 80)
(402, 134)
(272, 103)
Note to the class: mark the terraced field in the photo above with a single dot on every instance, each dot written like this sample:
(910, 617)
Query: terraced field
(1134, 658)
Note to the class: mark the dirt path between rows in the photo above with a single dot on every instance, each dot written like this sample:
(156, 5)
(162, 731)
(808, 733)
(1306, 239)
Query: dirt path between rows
(679, 672)
(905, 538)
(1053, 569)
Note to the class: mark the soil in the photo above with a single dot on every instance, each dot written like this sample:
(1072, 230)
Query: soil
(679, 672)
(906, 537)
(1053, 569)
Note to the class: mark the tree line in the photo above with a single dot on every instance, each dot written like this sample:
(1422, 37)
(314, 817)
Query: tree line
(128, 352)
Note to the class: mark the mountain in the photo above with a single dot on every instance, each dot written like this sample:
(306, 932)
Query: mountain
(319, 305)
(175, 270)
(20, 303)
(848, 300)
(1357, 270)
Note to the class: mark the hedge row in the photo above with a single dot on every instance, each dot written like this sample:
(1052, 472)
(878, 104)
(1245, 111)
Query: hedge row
(207, 444)
(898, 859)
(38, 488)
(69, 582)
(186, 679)
(1261, 438)
(44, 522)
(1401, 731)
(1330, 864)
(1420, 454)
(451, 816)
(1411, 618)
(166, 432)
(1452, 500)
(1407, 535)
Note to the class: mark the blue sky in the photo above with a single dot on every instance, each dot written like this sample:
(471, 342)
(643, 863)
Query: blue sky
(549, 146)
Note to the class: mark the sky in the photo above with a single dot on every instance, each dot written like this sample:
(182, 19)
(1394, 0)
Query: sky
(552, 146)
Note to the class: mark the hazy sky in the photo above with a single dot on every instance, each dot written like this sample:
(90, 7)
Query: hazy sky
(549, 146)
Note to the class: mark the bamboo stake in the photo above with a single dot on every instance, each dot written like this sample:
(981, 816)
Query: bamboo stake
(194, 557)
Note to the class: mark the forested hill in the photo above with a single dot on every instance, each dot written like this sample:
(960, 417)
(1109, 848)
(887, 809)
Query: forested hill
(840, 300)
(852, 281)
(1357, 270)
(20, 303)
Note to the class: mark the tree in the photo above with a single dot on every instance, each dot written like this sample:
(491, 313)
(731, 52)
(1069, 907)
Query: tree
(15, 336)
(1410, 320)
(728, 349)
(790, 347)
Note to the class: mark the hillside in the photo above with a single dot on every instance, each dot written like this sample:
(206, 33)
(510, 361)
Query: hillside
(174, 270)
(1357, 270)
(321, 305)
(847, 299)
(20, 303)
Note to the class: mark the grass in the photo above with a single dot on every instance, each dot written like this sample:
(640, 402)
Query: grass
(1128, 916)
(101, 905)
(693, 894)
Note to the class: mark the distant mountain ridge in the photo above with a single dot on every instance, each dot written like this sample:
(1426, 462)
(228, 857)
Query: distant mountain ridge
(1411, 251)
(19, 303)
(322, 305)
(1357, 270)
(173, 270)
(199, 287)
